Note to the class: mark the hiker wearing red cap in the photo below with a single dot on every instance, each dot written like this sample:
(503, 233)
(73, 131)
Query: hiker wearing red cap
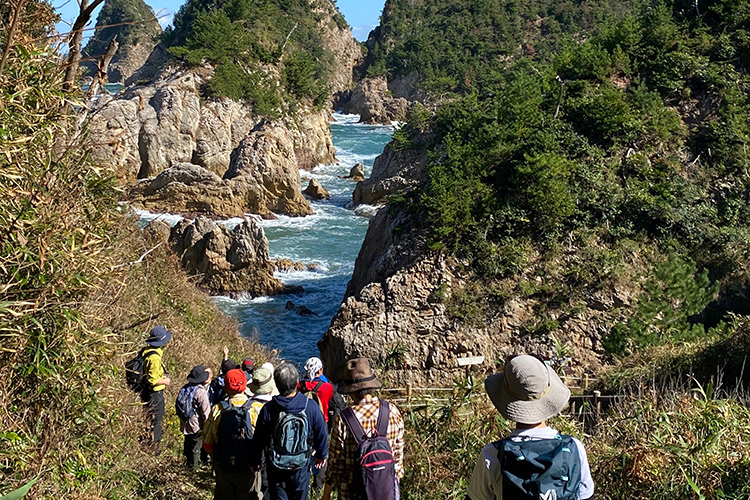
(227, 438)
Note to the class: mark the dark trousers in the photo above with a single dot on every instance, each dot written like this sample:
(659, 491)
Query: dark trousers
(193, 450)
(154, 409)
(288, 485)
(235, 485)
(319, 478)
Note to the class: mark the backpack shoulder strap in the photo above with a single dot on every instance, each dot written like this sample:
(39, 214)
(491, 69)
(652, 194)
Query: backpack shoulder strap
(317, 386)
(354, 424)
(383, 418)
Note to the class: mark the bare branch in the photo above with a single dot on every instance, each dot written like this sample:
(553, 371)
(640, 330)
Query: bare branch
(139, 260)
(16, 14)
(74, 46)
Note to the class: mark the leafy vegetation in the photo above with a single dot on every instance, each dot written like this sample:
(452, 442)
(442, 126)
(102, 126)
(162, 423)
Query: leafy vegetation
(73, 308)
(247, 40)
(630, 145)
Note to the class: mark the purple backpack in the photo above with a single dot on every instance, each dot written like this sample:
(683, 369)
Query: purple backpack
(376, 479)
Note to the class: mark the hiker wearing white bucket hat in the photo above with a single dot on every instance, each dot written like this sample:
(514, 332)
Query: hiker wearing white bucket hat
(535, 461)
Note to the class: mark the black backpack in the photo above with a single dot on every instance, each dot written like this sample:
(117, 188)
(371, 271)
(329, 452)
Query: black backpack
(335, 406)
(376, 479)
(233, 436)
(135, 374)
(540, 468)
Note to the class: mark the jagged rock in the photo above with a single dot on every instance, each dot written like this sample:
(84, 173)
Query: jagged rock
(137, 31)
(395, 313)
(286, 265)
(356, 173)
(188, 188)
(235, 261)
(315, 191)
(372, 100)
(265, 164)
(158, 230)
(367, 211)
(393, 172)
(301, 310)
(145, 130)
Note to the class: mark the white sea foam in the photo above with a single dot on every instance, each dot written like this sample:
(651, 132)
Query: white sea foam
(145, 216)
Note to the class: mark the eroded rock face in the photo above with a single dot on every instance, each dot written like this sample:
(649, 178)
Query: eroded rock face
(372, 100)
(229, 262)
(356, 173)
(316, 191)
(144, 131)
(266, 165)
(395, 312)
(393, 172)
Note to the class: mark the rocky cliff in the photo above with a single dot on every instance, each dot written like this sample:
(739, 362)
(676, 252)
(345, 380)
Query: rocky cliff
(137, 31)
(146, 130)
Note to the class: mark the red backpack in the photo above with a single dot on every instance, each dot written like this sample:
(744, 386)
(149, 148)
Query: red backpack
(376, 479)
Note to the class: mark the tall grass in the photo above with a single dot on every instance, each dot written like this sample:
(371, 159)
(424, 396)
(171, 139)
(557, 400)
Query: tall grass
(73, 308)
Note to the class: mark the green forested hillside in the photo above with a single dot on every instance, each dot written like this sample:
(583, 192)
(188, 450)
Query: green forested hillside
(130, 21)
(621, 157)
(253, 43)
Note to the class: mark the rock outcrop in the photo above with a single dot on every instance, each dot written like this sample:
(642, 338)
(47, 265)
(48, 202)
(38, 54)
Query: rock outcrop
(137, 31)
(374, 103)
(395, 312)
(226, 262)
(146, 130)
(356, 173)
(316, 191)
(394, 171)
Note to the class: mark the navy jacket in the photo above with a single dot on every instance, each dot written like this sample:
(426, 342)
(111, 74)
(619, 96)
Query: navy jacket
(269, 414)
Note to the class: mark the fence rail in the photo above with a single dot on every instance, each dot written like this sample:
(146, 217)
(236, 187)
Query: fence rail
(429, 400)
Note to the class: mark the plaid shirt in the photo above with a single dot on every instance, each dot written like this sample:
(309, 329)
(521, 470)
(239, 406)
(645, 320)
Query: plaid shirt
(343, 448)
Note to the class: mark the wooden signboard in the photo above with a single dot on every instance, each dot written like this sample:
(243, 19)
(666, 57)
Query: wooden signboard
(472, 360)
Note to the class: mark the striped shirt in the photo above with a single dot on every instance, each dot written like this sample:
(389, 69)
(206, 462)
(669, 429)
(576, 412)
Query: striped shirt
(342, 450)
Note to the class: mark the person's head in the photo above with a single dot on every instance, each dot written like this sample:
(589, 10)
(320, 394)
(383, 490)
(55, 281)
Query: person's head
(268, 366)
(228, 364)
(262, 382)
(313, 368)
(527, 391)
(158, 336)
(286, 378)
(248, 365)
(210, 376)
(359, 379)
(235, 382)
(199, 375)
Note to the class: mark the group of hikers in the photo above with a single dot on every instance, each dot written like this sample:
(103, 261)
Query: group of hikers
(265, 430)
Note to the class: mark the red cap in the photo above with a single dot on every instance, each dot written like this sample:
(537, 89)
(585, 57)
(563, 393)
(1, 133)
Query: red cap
(235, 380)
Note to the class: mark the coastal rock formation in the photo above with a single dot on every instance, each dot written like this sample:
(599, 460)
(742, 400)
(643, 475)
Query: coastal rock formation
(227, 262)
(356, 173)
(316, 191)
(144, 131)
(394, 171)
(338, 38)
(137, 31)
(395, 312)
(372, 100)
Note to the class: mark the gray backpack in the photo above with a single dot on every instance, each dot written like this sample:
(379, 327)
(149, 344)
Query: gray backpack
(291, 448)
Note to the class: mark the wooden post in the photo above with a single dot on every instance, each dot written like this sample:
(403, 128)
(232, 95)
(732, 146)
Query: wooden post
(597, 402)
(585, 382)
(408, 394)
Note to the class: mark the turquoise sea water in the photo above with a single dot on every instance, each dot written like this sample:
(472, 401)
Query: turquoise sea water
(331, 238)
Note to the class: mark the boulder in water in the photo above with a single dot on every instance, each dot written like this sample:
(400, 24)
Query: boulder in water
(317, 192)
(301, 310)
(357, 173)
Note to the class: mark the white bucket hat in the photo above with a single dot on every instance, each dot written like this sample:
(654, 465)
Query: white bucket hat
(527, 391)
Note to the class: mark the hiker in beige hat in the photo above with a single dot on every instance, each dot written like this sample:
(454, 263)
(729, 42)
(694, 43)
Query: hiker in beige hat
(370, 433)
(535, 461)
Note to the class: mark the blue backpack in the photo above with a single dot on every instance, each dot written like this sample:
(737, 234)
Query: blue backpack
(184, 404)
(233, 436)
(540, 469)
(291, 448)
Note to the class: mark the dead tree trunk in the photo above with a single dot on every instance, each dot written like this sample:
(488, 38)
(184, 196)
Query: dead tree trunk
(76, 37)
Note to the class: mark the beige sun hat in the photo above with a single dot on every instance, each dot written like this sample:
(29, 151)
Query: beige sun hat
(527, 391)
(262, 382)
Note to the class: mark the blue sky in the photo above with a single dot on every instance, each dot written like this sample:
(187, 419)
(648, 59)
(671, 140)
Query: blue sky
(362, 15)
